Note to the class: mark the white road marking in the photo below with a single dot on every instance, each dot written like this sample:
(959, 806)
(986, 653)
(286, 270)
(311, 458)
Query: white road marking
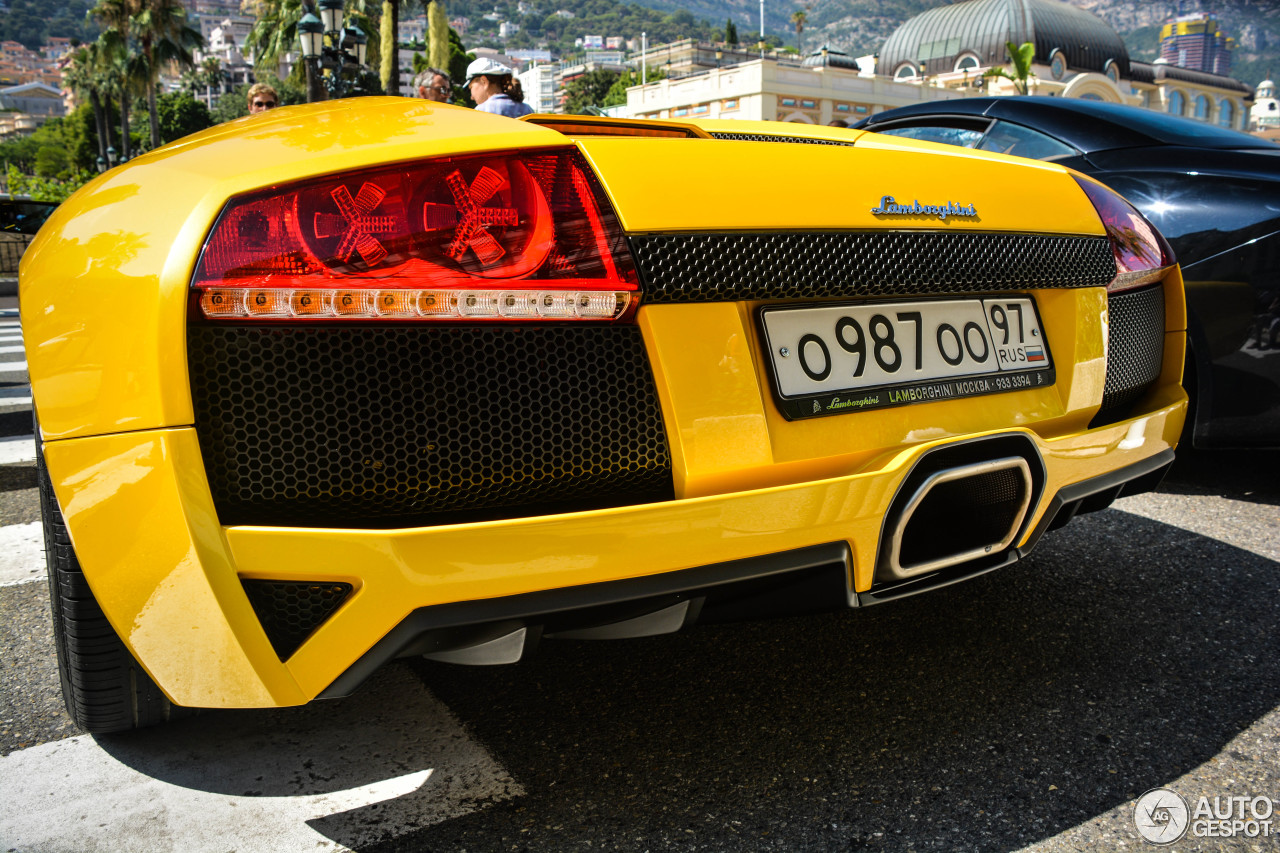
(8, 339)
(331, 776)
(13, 367)
(19, 448)
(21, 553)
(14, 402)
(6, 350)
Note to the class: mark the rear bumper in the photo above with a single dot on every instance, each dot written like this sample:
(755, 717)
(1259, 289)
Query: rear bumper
(169, 576)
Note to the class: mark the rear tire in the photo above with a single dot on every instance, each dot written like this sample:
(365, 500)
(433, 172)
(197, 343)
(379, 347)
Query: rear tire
(104, 688)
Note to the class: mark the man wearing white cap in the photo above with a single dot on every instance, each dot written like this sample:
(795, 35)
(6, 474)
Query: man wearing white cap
(495, 89)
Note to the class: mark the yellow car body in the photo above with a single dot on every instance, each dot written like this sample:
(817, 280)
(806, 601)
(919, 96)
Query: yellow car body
(105, 304)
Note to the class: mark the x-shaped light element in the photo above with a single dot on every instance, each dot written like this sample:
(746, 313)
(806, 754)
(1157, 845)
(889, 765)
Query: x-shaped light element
(469, 217)
(356, 224)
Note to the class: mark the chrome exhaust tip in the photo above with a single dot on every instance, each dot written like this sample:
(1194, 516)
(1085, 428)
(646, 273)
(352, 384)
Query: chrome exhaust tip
(959, 514)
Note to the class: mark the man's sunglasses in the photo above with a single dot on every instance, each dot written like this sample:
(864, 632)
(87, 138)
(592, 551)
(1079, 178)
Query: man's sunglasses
(266, 105)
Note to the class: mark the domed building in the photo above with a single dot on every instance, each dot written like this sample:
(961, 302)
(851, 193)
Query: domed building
(1265, 114)
(1077, 55)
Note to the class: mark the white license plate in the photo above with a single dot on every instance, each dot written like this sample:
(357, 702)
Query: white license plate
(841, 358)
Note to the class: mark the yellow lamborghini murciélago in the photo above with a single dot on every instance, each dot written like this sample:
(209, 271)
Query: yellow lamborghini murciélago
(335, 384)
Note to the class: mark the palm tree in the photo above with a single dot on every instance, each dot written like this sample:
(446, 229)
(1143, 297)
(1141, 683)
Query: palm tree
(798, 19)
(1021, 57)
(275, 33)
(276, 30)
(164, 37)
(115, 59)
(82, 76)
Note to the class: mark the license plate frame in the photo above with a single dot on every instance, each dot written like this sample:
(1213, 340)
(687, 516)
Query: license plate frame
(778, 325)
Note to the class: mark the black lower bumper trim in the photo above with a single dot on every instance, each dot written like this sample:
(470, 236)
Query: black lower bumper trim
(816, 578)
(803, 580)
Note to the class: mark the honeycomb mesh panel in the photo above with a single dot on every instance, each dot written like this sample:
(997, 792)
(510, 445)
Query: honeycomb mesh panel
(725, 267)
(1135, 349)
(769, 137)
(290, 610)
(411, 425)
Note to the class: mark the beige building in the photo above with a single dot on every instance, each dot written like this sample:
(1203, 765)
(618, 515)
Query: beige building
(941, 53)
(826, 86)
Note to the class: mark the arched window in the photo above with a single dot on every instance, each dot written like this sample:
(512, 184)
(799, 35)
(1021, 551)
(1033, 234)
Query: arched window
(1226, 113)
(968, 62)
(1177, 103)
(1202, 107)
(906, 71)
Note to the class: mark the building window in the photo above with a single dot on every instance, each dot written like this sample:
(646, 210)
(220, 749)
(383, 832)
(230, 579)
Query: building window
(1177, 103)
(788, 102)
(683, 111)
(1112, 71)
(906, 71)
(1226, 113)
(1202, 108)
(700, 109)
(729, 105)
(968, 62)
(807, 104)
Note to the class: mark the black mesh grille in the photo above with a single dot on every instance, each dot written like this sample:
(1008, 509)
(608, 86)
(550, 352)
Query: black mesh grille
(1135, 349)
(725, 267)
(392, 427)
(290, 610)
(769, 137)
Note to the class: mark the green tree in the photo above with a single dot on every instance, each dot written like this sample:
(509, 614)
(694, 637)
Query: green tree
(276, 33)
(52, 161)
(390, 29)
(180, 114)
(730, 32)
(1021, 58)
(589, 90)
(617, 93)
(798, 19)
(83, 77)
(440, 38)
(164, 37)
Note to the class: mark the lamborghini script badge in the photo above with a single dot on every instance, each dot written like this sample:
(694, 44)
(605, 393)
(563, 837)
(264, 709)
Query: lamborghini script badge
(889, 207)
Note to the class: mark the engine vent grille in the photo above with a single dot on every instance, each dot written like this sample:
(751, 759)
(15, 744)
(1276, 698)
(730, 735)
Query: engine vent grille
(726, 267)
(769, 137)
(406, 426)
(1135, 350)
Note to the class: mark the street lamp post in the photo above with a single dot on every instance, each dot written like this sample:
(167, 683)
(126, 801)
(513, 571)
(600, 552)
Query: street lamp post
(346, 49)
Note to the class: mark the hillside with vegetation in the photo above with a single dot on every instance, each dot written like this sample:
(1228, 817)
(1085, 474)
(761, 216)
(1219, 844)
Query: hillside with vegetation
(32, 22)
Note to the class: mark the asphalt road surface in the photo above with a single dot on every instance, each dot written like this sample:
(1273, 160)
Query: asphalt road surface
(1028, 708)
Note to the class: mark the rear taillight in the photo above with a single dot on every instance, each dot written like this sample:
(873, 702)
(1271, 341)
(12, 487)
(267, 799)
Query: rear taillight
(1142, 254)
(518, 236)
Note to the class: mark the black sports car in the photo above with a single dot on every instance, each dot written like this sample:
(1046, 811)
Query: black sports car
(1213, 192)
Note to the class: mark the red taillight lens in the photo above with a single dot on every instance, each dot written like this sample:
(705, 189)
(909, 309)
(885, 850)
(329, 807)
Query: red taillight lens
(1142, 254)
(520, 236)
